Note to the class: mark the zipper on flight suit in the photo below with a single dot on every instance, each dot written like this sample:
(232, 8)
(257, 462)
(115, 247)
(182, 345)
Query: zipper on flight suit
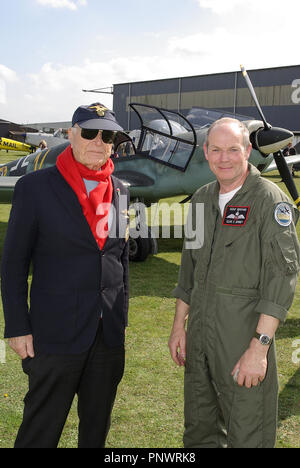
(205, 281)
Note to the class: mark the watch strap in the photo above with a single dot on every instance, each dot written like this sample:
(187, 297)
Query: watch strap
(260, 336)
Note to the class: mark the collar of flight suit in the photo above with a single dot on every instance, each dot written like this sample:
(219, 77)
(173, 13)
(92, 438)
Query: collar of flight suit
(249, 183)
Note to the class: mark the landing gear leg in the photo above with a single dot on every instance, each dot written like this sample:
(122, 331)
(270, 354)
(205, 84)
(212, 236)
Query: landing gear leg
(141, 241)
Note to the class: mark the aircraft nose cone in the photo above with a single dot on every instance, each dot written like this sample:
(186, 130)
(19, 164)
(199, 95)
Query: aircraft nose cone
(272, 140)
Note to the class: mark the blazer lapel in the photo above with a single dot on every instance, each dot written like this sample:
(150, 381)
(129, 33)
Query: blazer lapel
(70, 202)
(114, 230)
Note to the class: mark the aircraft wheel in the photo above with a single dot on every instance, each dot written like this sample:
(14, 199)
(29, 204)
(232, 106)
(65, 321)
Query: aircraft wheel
(139, 249)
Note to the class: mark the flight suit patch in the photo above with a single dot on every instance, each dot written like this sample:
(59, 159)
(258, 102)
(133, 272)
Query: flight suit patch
(283, 214)
(236, 215)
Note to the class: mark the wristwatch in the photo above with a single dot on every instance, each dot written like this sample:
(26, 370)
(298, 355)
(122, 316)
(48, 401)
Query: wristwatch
(264, 339)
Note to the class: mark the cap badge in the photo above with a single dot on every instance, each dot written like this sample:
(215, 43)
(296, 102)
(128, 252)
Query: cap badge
(99, 109)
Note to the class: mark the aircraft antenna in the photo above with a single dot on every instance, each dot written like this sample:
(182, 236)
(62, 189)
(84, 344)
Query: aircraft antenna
(100, 90)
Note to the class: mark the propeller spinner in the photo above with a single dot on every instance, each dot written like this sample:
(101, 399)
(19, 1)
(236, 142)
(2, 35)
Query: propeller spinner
(272, 140)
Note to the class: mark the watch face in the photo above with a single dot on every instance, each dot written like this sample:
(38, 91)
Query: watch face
(265, 339)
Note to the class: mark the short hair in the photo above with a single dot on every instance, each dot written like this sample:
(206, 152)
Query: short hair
(224, 120)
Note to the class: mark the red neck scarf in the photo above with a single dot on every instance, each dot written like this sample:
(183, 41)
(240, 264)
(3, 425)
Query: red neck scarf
(95, 207)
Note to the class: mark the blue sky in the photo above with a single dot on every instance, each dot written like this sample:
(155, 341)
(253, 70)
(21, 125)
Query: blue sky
(52, 49)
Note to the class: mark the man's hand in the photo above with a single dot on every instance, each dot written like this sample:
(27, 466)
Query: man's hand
(22, 345)
(252, 367)
(177, 341)
(177, 344)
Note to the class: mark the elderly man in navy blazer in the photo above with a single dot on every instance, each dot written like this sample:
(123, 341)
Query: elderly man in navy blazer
(70, 222)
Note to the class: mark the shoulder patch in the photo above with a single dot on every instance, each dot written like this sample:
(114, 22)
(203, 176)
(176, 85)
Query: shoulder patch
(283, 214)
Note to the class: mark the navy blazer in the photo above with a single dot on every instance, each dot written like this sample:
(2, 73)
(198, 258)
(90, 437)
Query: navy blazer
(73, 281)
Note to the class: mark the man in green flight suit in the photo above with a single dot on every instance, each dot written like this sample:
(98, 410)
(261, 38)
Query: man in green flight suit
(235, 289)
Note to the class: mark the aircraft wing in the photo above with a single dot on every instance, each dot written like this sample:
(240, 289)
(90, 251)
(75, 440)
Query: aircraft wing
(7, 185)
(8, 182)
(134, 179)
(291, 160)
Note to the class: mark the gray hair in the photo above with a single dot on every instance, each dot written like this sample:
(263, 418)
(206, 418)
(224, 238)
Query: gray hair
(228, 120)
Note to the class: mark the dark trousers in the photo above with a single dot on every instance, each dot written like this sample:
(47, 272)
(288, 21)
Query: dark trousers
(53, 383)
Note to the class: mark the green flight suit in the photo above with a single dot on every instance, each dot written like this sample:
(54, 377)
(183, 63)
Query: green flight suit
(248, 265)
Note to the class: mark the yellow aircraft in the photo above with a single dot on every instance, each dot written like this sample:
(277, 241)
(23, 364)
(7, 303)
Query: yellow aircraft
(13, 145)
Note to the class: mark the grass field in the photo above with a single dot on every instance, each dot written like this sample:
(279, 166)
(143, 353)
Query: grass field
(149, 406)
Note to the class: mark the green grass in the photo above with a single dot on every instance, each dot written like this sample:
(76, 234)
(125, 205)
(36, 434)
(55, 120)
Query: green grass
(149, 407)
(7, 156)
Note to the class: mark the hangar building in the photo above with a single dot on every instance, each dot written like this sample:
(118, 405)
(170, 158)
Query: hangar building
(12, 130)
(277, 89)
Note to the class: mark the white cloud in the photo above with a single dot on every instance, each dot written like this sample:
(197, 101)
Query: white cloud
(6, 76)
(2, 92)
(219, 47)
(219, 6)
(55, 90)
(270, 10)
(53, 93)
(256, 33)
(222, 50)
(69, 4)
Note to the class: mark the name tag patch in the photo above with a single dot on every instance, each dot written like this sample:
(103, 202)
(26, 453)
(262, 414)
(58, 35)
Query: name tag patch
(236, 215)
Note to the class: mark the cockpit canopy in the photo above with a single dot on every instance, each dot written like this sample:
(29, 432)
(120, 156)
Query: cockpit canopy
(166, 136)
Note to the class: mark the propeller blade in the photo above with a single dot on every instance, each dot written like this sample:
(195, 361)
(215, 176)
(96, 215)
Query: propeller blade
(253, 94)
(186, 199)
(287, 177)
(273, 140)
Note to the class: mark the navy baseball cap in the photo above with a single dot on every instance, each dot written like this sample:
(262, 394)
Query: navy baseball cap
(96, 116)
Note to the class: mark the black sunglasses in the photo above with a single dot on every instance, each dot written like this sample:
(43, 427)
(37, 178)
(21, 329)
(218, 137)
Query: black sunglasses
(108, 136)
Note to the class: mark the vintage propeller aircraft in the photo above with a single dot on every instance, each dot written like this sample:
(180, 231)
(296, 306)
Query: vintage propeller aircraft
(13, 145)
(165, 158)
(52, 140)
